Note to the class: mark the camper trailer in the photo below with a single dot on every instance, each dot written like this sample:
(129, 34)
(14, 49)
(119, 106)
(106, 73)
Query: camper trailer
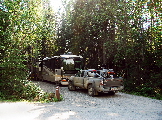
(58, 69)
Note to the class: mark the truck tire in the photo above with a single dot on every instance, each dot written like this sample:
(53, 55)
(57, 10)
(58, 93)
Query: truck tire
(71, 87)
(91, 90)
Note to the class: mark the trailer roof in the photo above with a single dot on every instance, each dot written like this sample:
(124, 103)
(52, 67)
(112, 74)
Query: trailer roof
(62, 56)
(69, 56)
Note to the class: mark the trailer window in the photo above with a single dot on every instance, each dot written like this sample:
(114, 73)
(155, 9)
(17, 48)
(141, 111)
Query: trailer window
(68, 64)
(77, 65)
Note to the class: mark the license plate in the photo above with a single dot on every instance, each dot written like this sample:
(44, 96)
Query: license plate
(114, 88)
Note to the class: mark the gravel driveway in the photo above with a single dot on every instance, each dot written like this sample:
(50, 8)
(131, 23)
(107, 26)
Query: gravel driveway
(77, 105)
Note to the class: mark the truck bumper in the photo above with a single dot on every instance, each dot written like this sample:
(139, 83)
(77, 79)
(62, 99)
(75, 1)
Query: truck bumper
(107, 89)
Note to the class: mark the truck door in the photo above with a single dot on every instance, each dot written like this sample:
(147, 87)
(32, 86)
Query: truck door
(78, 80)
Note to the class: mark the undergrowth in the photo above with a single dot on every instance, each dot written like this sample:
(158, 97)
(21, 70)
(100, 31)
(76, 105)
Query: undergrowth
(27, 91)
(145, 90)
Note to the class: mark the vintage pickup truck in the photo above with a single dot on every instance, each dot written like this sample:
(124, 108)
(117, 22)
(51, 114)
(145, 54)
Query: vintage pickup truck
(96, 81)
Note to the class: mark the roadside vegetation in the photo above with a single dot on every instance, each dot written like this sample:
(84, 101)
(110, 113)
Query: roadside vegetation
(26, 29)
(123, 35)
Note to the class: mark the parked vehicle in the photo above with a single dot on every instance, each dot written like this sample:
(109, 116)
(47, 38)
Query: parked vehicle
(58, 69)
(96, 81)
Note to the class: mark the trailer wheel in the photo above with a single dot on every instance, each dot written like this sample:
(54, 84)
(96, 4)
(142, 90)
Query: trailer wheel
(91, 90)
(71, 87)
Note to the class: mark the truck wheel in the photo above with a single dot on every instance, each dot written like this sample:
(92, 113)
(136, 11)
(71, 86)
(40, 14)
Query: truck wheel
(71, 87)
(91, 90)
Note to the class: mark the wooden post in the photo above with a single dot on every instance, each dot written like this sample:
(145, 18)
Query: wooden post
(57, 93)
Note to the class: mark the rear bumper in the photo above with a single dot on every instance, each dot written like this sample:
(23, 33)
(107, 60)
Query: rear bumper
(107, 89)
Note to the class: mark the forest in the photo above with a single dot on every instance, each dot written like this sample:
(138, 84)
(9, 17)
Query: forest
(125, 35)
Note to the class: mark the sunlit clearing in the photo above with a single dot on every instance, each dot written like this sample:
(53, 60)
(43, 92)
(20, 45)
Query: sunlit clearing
(113, 114)
(61, 116)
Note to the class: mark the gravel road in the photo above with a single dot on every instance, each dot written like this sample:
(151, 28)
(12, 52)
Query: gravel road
(77, 105)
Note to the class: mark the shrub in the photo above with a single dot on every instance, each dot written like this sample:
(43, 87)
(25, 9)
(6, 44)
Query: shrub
(26, 90)
(145, 89)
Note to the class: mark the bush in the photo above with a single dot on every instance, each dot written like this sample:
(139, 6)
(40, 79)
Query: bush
(145, 89)
(26, 90)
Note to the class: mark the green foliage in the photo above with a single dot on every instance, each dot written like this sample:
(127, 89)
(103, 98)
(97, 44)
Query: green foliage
(124, 35)
(145, 90)
(26, 90)
(24, 26)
